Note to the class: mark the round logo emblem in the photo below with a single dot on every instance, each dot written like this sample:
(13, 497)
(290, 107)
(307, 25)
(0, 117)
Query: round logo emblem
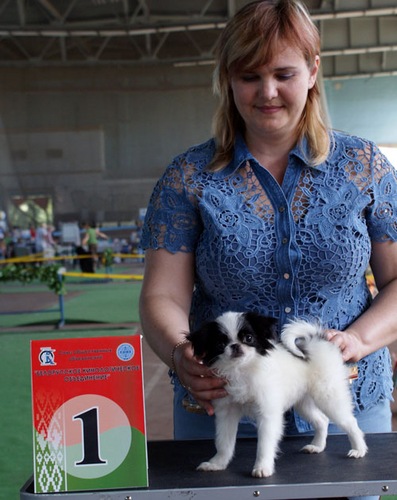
(125, 352)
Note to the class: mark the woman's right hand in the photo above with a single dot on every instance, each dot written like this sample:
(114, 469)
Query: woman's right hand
(198, 379)
(165, 304)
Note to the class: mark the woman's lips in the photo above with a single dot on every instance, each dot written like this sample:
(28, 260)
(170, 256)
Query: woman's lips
(269, 110)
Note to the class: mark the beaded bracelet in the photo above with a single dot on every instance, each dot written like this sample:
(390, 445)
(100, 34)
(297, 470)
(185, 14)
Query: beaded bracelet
(179, 344)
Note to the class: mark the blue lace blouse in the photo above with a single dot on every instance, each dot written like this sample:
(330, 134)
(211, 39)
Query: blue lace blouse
(300, 249)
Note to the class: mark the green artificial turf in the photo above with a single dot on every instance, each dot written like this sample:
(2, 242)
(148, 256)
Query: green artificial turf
(110, 302)
(16, 460)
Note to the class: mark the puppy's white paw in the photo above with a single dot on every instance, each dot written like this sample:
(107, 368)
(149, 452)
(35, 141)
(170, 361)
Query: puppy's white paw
(264, 471)
(311, 448)
(211, 466)
(357, 453)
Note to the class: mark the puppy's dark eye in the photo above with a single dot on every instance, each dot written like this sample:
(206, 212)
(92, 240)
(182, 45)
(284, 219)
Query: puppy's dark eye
(248, 339)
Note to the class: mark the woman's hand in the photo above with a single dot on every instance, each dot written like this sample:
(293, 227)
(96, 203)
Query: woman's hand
(349, 342)
(199, 380)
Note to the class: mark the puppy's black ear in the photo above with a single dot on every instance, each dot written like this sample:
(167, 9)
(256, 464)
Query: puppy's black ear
(208, 342)
(264, 326)
(200, 339)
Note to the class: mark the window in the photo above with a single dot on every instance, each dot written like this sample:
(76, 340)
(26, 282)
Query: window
(391, 154)
(32, 209)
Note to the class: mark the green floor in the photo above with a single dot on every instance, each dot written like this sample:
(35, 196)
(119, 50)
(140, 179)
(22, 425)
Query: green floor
(114, 302)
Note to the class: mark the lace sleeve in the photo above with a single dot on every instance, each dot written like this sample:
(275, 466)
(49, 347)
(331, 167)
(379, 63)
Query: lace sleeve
(382, 215)
(172, 221)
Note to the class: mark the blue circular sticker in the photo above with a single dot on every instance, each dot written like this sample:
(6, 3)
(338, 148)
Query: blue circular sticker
(125, 352)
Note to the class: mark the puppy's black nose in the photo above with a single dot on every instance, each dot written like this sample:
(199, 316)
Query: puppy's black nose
(236, 350)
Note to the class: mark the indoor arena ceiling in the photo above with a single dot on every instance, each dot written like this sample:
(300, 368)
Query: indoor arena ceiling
(359, 37)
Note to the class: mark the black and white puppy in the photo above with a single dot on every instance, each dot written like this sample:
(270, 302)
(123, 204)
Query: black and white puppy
(267, 376)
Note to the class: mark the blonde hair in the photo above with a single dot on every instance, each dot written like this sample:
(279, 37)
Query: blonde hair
(251, 39)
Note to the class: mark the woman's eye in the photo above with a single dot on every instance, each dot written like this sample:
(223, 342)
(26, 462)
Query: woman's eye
(249, 78)
(285, 77)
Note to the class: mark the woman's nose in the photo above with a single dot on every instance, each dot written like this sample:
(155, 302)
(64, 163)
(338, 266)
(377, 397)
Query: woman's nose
(269, 89)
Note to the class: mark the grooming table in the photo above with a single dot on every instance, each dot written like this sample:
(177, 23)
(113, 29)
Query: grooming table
(172, 473)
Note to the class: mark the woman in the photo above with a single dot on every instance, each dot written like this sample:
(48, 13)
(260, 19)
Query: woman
(276, 215)
(92, 233)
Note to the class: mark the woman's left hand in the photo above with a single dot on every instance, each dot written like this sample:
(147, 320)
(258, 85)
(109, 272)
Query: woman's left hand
(349, 343)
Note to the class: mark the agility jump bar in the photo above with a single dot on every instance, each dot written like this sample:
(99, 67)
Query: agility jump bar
(102, 276)
(32, 258)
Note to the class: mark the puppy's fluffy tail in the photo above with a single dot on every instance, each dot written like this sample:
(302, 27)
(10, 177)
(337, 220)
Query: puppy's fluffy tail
(297, 334)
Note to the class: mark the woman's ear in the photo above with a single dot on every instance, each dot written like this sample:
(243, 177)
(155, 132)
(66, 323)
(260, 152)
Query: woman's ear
(313, 72)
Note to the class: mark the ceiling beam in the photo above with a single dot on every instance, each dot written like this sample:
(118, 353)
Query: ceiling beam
(342, 14)
(45, 30)
(349, 76)
(50, 8)
(68, 11)
(185, 22)
(359, 50)
(148, 33)
(21, 12)
(231, 8)
(205, 8)
(4, 6)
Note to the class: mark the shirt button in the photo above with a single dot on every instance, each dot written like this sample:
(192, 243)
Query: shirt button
(284, 241)
(287, 310)
(286, 276)
(281, 209)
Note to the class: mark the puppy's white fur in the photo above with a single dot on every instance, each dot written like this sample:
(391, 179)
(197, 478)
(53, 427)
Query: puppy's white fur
(302, 370)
